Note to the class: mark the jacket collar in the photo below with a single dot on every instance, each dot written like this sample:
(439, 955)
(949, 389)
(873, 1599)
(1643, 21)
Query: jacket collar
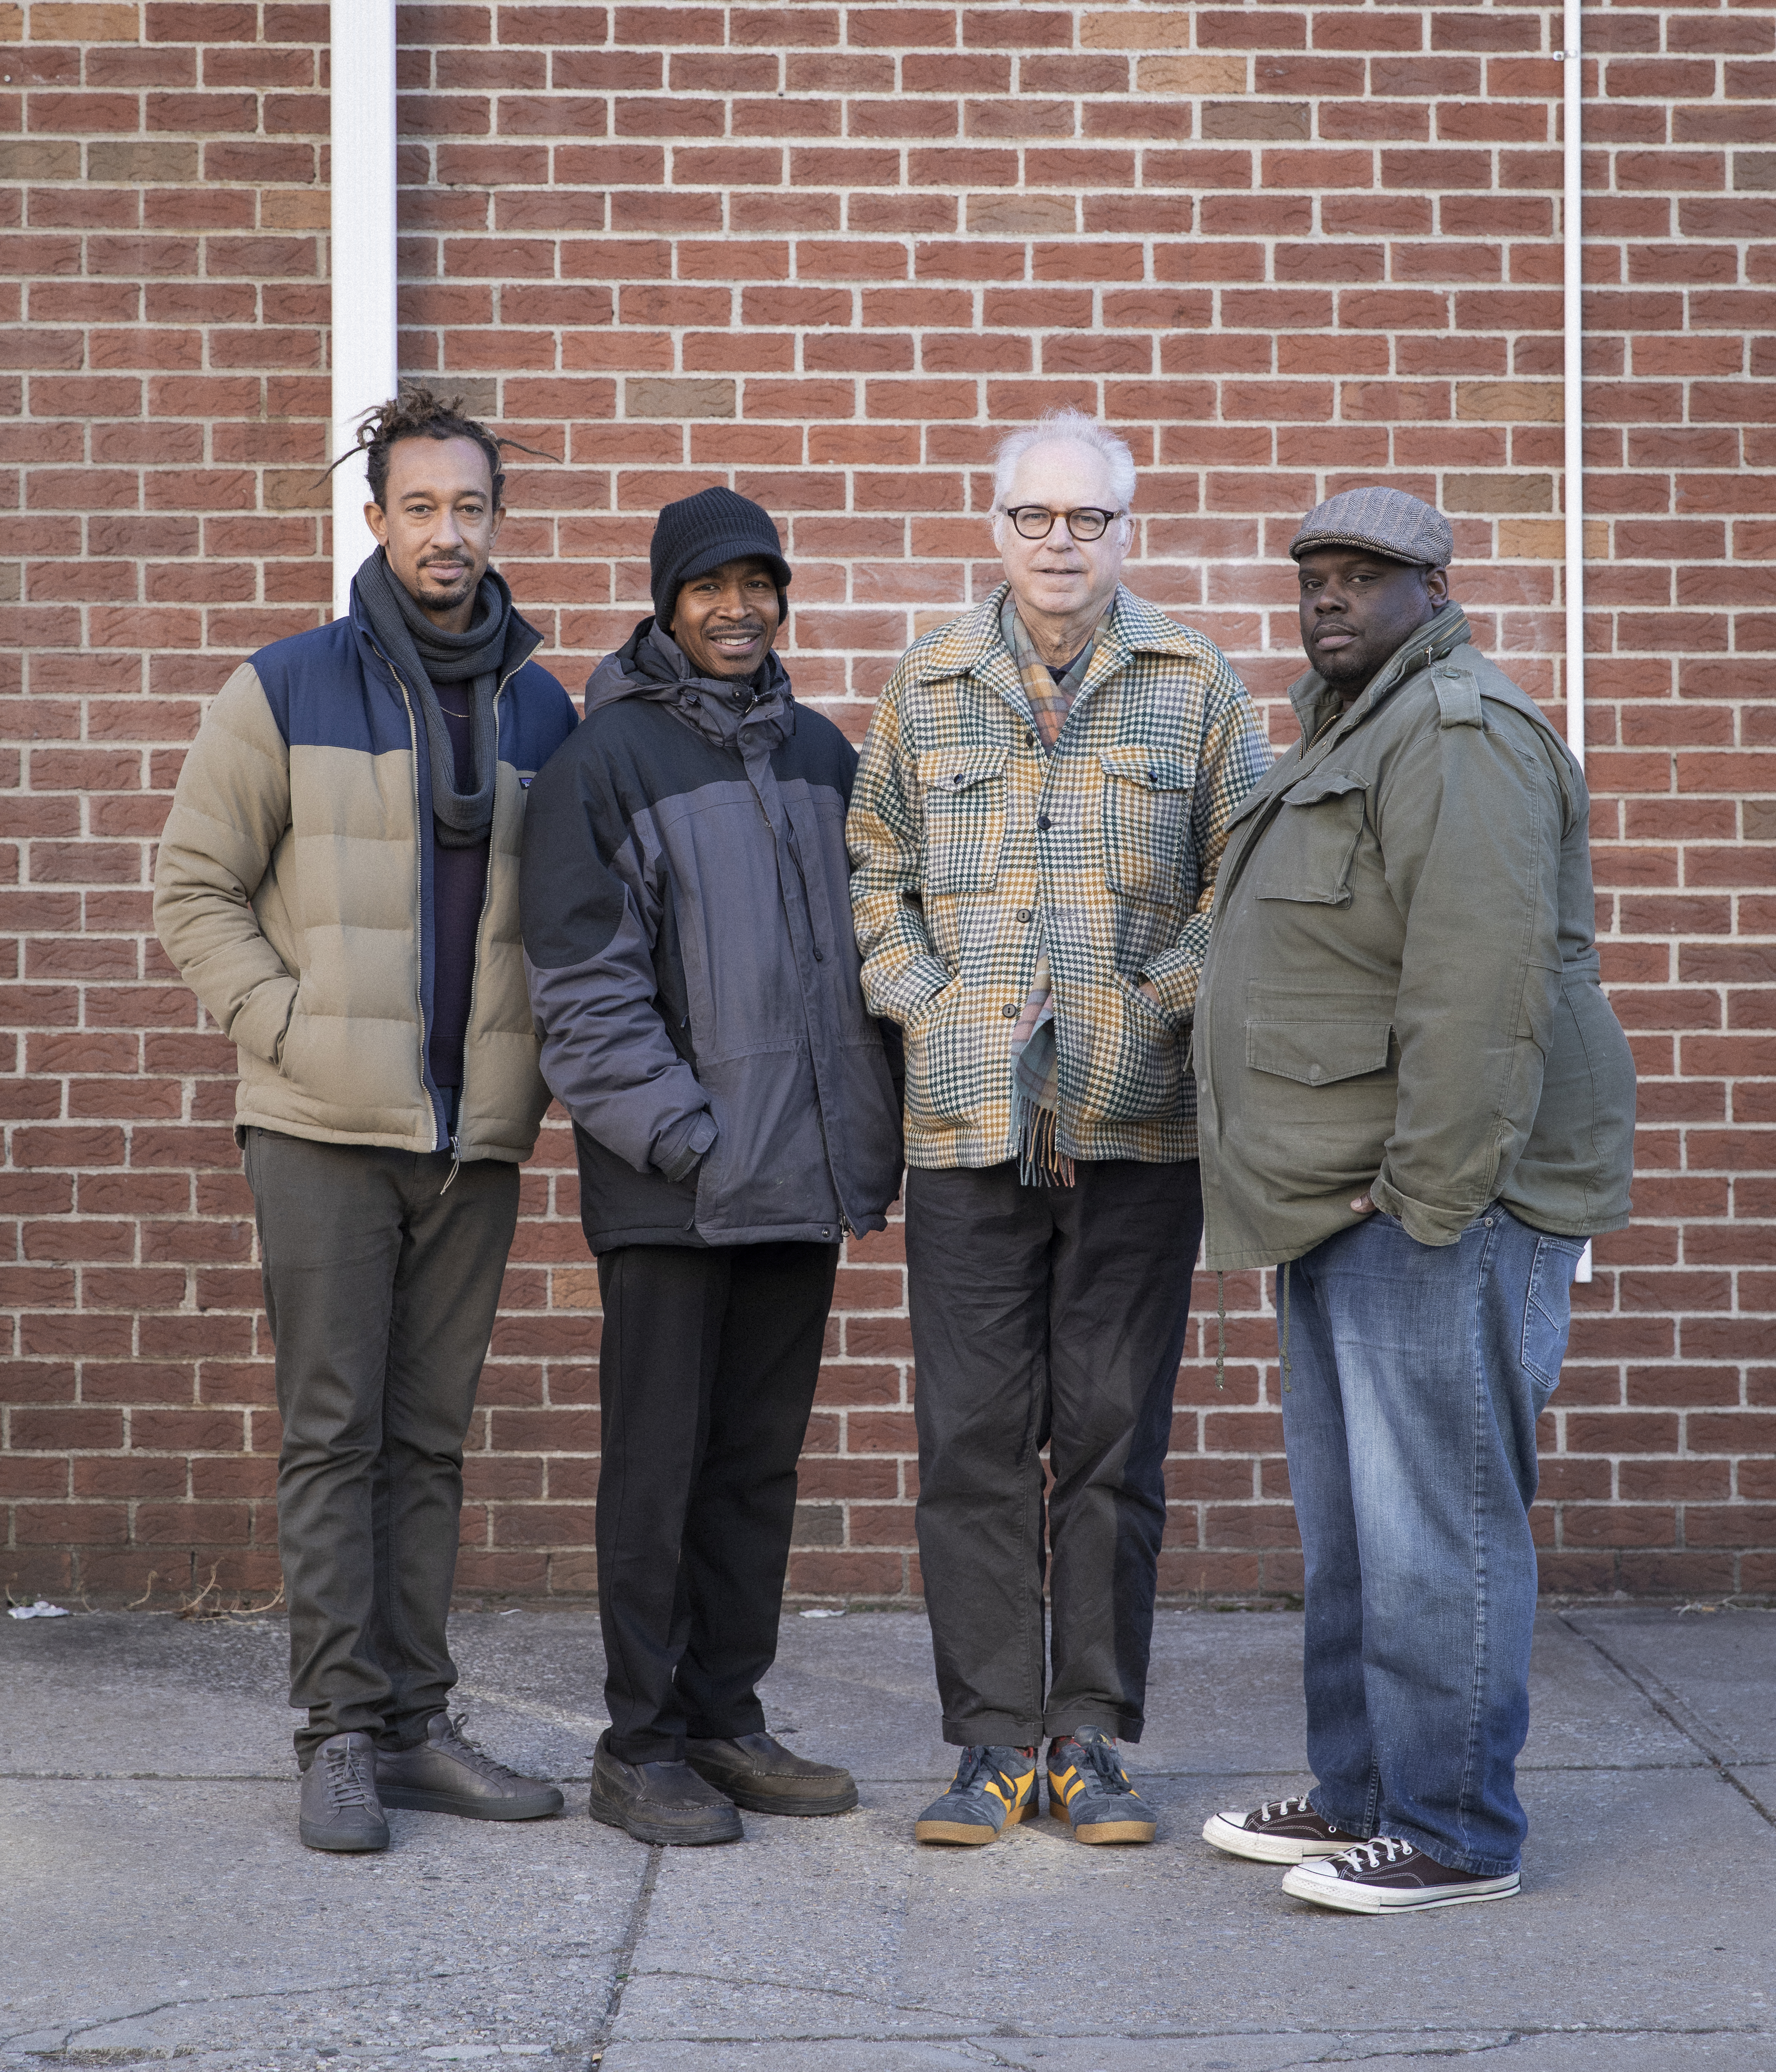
(1429, 643)
(973, 645)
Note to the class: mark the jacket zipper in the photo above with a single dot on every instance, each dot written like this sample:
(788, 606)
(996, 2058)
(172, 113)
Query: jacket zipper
(486, 896)
(419, 866)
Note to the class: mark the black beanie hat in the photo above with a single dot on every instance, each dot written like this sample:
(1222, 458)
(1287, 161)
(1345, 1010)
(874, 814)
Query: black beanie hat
(700, 533)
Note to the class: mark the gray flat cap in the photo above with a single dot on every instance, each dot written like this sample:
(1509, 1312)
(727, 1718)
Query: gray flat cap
(1387, 521)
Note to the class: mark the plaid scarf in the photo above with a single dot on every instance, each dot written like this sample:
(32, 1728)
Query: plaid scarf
(1035, 1058)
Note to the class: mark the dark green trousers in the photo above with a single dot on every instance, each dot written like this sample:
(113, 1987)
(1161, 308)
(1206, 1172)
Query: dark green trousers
(380, 1288)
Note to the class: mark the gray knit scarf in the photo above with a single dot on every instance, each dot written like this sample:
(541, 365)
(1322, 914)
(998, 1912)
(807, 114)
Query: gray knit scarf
(421, 654)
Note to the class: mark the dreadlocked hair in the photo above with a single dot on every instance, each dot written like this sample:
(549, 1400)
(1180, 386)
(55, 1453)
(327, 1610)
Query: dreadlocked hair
(420, 412)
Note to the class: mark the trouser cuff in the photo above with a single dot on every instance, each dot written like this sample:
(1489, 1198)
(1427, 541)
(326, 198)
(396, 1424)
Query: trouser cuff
(1059, 1721)
(992, 1730)
(1347, 1823)
(647, 1747)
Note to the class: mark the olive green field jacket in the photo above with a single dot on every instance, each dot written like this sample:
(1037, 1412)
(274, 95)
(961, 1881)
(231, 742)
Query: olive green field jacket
(1401, 993)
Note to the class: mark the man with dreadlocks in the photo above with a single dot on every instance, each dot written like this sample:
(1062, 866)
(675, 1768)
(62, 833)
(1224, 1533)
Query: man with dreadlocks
(338, 883)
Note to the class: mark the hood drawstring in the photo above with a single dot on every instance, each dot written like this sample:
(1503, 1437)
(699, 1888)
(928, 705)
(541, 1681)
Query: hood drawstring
(1220, 1330)
(1287, 1389)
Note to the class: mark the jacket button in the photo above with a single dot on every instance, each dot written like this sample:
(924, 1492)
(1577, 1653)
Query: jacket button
(1314, 1075)
(1043, 822)
(819, 954)
(1024, 914)
(1030, 740)
(826, 1230)
(1010, 1014)
(957, 778)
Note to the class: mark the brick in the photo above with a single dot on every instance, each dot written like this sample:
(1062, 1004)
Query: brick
(1280, 223)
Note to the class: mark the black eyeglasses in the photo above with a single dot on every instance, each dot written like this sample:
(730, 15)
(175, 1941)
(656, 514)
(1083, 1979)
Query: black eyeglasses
(1035, 521)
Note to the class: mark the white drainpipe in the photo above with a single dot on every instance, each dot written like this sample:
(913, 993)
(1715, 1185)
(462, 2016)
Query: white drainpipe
(1572, 227)
(363, 258)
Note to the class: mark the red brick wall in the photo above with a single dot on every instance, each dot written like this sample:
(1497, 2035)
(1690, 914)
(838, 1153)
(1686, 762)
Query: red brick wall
(824, 251)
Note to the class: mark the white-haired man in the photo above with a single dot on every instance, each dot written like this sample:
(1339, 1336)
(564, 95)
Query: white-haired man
(1034, 832)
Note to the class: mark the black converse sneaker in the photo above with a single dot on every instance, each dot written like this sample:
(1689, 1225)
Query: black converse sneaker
(1390, 1876)
(1282, 1831)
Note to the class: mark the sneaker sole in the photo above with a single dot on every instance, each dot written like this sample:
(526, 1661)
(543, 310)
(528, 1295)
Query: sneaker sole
(1105, 1831)
(1345, 1897)
(415, 1801)
(655, 1831)
(970, 1834)
(1233, 1840)
(339, 1845)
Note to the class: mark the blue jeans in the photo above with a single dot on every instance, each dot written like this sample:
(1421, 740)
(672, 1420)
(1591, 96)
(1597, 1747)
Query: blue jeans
(1417, 1374)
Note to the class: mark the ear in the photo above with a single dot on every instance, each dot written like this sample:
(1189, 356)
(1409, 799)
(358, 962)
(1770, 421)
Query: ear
(377, 520)
(1436, 586)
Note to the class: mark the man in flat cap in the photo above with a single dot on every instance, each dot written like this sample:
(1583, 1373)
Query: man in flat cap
(1414, 1096)
(683, 895)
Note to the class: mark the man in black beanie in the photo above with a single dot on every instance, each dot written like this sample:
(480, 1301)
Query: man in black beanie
(692, 970)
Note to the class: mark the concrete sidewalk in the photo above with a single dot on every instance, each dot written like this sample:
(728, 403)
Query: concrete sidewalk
(155, 1904)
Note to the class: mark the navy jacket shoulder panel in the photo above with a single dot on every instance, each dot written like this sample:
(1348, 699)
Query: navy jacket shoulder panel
(322, 695)
(535, 716)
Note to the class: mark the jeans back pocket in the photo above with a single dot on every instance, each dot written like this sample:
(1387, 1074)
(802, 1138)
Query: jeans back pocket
(1547, 1311)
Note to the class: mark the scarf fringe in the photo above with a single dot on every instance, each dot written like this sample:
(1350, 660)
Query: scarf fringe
(1041, 1163)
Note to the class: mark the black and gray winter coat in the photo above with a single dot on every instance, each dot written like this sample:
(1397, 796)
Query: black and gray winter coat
(692, 970)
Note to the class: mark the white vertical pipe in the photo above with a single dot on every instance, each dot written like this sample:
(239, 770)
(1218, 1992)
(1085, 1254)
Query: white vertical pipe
(1572, 231)
(364, 364)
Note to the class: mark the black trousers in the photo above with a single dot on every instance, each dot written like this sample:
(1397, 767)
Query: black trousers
(706, 1376)
(380, 1288)
(1050, 1316)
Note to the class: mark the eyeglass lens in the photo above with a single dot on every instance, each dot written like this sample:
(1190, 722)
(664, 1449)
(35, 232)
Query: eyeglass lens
(1036, 522)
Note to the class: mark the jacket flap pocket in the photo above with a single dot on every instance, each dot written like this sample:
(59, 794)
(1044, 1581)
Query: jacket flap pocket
(1323, 784)
(1149, 768)
(943, 770)
(1317, 1053)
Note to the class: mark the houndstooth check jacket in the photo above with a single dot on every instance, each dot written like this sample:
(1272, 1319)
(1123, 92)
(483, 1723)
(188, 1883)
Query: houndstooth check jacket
(970, 844)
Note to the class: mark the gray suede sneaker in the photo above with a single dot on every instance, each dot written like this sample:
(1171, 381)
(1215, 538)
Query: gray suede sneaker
(658, 1801)
(757, 1772)
(446, 1773)
(339, 1807)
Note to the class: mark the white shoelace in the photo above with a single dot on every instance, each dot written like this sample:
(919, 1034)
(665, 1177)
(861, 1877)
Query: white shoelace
(1373, 1856)
(1281, 1809)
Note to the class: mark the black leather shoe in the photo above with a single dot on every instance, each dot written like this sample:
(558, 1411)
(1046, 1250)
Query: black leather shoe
(339, 1807)
(658, 1801)
(446, 1773)
(757, 1772)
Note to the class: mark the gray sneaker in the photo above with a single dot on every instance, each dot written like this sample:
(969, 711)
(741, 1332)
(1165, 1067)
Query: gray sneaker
(757, 1772)
(339, 1807)
(658, 1801)
(446, 1773)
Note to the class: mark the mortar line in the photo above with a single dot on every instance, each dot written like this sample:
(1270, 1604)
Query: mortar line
(619, 1976)
(1671, 1720)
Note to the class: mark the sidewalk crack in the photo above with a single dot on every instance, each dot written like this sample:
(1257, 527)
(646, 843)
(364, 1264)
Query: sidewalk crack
(631, 1938)
(1671, 1714)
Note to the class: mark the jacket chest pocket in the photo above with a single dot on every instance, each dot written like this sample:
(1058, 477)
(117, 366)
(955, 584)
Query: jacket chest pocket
(1146, 822)
(965, 793)
(1309, 851)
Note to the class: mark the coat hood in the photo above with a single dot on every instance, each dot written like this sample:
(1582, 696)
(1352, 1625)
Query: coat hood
(651, 664)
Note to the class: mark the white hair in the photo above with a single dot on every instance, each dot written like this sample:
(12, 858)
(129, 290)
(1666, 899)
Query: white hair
(1076, 428)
